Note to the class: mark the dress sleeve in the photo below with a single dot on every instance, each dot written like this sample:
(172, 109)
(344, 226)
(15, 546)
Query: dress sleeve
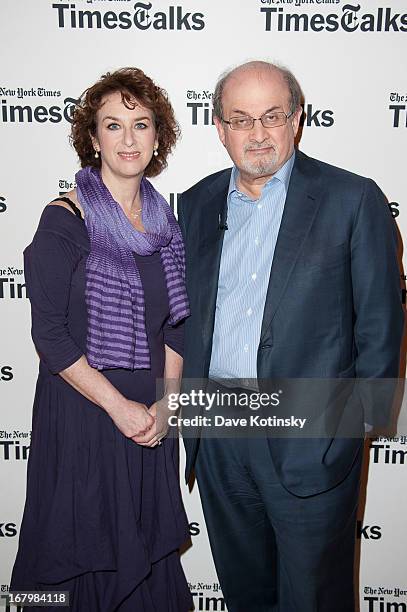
(49, 262)
(174, 337)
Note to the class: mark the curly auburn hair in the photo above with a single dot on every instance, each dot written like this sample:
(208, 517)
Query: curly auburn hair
(132, 83)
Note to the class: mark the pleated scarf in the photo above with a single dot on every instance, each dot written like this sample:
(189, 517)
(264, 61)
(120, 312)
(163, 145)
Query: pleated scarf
(117, 335)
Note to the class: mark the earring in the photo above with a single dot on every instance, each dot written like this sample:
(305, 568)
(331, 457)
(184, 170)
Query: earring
(96, 154)
(155, 153)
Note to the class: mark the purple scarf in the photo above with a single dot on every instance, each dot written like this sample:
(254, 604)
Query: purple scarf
(114, 294)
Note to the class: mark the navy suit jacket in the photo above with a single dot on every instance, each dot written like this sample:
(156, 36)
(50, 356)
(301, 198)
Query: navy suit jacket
(333, 307)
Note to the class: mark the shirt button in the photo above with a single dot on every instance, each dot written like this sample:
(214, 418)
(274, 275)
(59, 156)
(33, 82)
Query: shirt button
(259, 205)
(249, 312)
(246, 348)
(256, 241)
(254, 276)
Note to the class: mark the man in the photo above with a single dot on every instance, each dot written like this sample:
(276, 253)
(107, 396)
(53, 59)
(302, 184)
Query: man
(291, 272)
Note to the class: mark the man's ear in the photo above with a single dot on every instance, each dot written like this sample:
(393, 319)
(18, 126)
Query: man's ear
(220, 126)
(295, 120)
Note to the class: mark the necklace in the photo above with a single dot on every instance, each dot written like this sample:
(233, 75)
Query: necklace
(136, 213)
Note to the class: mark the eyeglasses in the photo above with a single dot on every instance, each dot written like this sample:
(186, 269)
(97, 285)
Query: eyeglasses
(268, 120)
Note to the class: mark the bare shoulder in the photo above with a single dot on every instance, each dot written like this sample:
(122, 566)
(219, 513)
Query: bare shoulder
(71, 195)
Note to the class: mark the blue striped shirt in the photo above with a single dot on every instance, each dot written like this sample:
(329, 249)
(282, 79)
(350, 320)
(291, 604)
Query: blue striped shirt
(245, 266)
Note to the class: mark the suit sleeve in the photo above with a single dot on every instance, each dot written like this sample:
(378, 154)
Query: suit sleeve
(376, 287)
(379, 318)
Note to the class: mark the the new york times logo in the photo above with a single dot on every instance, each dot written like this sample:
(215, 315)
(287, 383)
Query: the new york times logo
(398, 110)
(64, 186)
(207, 596)
(384, 19)
(94, 1)
(14, 445)
(298, 3)
(384, 599)
(12, 283)
(21, 92)
(141, 18)
(3, 204)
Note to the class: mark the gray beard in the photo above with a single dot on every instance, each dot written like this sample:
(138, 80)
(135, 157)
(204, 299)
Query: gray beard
(262, 167)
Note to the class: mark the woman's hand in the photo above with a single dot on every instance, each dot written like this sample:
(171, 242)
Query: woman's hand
(161, 414)
(134, 420)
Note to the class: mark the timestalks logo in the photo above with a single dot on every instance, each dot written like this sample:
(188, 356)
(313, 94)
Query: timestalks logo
(399, 115)
(317, 117)
(6, 373)
(8, 530)
(202, 114)
(174, 18)
(18, 113)
(368, 532)
(173, 201)
(11, 288)
(194, 529)
(13, 450)
(394, 209)
(3, 204)
(384, 453)
(207, 603)
(351, 20)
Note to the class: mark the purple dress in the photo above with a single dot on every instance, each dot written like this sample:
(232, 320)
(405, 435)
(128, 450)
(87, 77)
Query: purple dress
(103, 517)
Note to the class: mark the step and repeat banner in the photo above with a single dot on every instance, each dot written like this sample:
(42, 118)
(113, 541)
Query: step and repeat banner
(350, 60)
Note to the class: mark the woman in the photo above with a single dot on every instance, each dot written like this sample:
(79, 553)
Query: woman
(105, 272)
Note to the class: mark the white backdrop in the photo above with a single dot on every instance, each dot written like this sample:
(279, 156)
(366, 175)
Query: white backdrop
(349, 58)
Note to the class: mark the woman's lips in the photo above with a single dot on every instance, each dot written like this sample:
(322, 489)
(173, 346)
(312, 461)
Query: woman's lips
(129, 156)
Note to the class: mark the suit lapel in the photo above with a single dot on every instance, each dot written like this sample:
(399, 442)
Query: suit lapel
(210, 252)
(301, 206)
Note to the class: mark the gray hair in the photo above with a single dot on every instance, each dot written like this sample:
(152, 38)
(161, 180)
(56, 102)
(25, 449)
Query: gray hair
(296, 95)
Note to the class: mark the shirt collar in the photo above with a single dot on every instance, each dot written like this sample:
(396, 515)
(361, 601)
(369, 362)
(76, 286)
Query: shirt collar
(283, 175)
